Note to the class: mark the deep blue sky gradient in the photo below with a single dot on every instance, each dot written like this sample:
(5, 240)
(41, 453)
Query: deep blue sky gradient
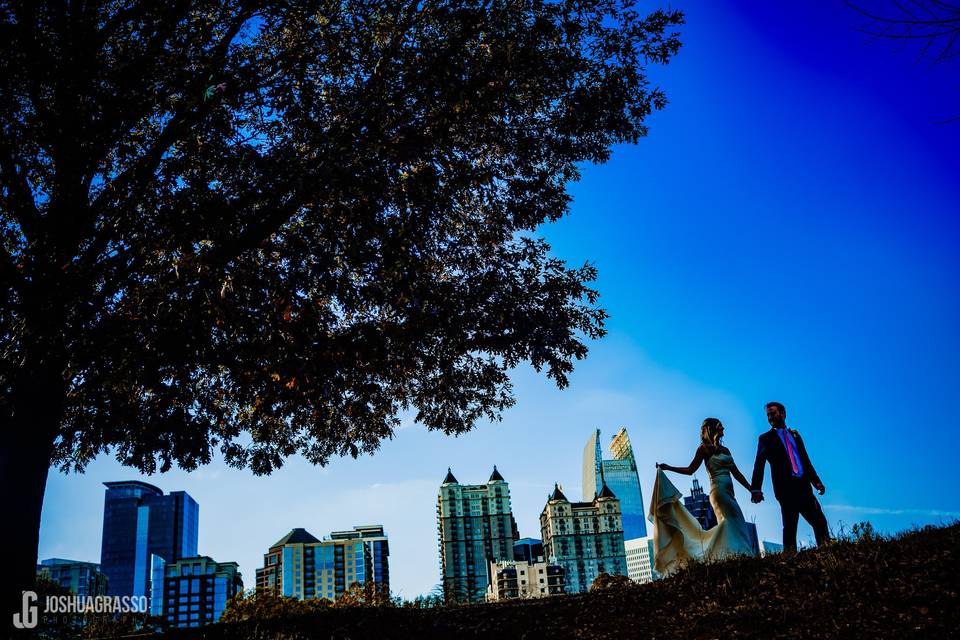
(787, 231)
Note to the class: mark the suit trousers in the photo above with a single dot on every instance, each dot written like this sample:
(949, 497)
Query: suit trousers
(805, 504)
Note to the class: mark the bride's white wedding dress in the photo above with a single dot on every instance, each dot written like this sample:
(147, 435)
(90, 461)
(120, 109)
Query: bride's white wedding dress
(678, 537)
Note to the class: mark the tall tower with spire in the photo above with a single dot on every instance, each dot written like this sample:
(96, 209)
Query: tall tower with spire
(476, 526)
(620, 474)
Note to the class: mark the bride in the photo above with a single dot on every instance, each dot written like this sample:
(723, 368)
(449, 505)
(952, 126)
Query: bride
(677, 535)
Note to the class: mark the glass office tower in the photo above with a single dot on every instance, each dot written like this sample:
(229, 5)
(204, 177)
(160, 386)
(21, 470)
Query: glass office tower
(139, 521)
(620, 474)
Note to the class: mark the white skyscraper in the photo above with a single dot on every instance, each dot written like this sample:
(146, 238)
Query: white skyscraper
(640, 556)
(767, 547)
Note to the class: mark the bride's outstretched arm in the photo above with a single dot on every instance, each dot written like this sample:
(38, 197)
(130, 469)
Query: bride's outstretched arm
(689, 469)
(740, 477)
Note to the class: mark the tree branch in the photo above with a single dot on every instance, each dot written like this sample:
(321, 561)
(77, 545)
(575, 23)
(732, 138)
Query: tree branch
(139, 173)
(19, 198)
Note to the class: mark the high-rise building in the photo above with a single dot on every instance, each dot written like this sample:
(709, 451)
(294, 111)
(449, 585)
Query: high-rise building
(618, 473)
(277, 577)
(640, 559)
(522, 579)
(82, 578)
(139, 521)
(767, 547)
(476, 527)
(376, 548)
(303, 567)
(698, 504)
(191, 592)
(585, 538)
(528, 549)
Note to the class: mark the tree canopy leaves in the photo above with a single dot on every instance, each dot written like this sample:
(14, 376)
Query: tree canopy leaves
(271, 227)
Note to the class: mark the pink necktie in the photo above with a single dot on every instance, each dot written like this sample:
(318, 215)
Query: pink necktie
(791, 452)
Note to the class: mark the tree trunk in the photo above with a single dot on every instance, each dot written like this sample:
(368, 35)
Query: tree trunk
(29, 426)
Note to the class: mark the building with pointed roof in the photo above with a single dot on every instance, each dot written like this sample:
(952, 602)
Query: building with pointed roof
(475, 527)
(585, 538)
(298, 565)
(557, 493)
(605, 492)
(698, 504)
(296, 536)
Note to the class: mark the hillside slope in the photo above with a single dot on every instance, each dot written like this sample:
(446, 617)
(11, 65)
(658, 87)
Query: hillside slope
(905, 587)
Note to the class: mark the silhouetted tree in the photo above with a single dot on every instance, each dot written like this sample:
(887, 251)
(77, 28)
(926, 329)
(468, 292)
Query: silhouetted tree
(934, 25)
(267, 227)
(930, 27)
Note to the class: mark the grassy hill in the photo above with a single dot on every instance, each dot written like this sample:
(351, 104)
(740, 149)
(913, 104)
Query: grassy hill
(904, 587)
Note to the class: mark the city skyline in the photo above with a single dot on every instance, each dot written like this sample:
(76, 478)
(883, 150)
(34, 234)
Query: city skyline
(527, 526)
(786, 233)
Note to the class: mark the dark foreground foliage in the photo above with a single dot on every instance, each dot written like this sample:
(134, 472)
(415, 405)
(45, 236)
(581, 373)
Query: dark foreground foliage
(904, 587)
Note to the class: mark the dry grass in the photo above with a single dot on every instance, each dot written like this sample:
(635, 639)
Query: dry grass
(905, 587)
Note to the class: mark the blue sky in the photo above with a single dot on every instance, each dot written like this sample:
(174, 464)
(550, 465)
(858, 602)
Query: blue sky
(787, 231)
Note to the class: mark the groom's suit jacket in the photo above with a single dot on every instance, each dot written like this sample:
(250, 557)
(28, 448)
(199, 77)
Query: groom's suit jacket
(770, 449)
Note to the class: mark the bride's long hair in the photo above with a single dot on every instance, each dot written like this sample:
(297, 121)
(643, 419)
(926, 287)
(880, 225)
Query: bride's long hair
(710, 433)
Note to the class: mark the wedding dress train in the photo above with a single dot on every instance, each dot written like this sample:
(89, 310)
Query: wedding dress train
(678, 537)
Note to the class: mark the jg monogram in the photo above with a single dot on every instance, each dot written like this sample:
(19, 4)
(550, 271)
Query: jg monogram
(27, 619)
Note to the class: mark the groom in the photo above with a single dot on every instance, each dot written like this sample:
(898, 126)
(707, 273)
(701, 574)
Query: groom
(792, 474)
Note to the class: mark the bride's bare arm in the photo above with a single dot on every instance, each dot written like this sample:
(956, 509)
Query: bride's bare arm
(739, 476)
(689, 469)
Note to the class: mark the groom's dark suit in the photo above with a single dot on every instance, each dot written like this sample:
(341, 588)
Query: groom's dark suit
(794, 494)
